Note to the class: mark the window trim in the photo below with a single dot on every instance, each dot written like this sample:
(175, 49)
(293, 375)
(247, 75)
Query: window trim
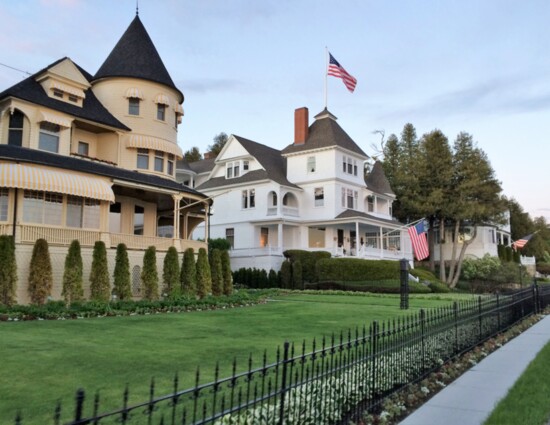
(161, 112)
(142, 153)
(86, 144)
(43, 130)
(134, 106)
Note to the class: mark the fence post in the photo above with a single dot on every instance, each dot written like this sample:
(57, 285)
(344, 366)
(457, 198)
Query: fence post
(79, 404)
(479, 314)
(498, 311)
(283, 384)
(535, 296)
(374, 348)
(422, 332)
(404, 287)
(455, 314)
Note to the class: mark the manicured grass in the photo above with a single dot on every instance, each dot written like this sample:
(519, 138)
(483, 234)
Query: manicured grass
(527, 401)
(43, 361)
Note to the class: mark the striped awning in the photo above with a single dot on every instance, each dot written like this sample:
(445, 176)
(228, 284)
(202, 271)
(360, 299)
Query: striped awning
(147, 142)
(37, 178)
(67, 89)
(55, 119)
(179, 109)
(134, 92)
(162, 99)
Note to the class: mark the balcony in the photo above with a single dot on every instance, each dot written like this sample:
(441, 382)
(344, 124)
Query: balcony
(286, 211)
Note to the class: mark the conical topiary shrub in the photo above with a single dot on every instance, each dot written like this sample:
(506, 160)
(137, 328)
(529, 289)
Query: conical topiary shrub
(204, 280)
(149, 275)
(297, 280)
(40, 273)
(216, 272)
(227, 275)
(171, 273)
(8, 270)
(122, 285)
(286, 275)
(100, 286)
(72, 274)
(188, 274)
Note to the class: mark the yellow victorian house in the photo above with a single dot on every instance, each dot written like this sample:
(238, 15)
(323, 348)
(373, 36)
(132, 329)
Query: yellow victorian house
(93, 158)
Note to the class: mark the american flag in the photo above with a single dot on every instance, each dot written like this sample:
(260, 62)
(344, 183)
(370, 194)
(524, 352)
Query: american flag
(419, 241)
(336, 70)
(520, 243)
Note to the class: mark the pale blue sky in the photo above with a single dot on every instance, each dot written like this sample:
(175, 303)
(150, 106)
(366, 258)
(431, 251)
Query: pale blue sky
(481, 66)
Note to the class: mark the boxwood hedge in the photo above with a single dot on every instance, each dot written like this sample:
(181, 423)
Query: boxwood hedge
(356, 269)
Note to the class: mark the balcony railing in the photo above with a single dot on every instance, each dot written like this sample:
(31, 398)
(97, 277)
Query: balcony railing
(57, 236)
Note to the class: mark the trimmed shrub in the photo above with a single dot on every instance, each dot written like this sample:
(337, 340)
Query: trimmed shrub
(216, 272)
(8, 270)
(204, 279)
(286, 275)
(309, 261)
(100, 287)
(383, 287)
(121, 276)
(439, 288)
(227, 276)
(188, 276)
(516, 257)
(218, 243)
(171, 273)
(273, 279)
(149, 275)
(40, 274)
(509, 254)
(297, 280)
(356, 269)
(72, 275)
(543, 268)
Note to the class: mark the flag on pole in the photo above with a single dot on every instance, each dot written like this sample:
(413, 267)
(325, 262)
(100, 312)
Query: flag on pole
(520, 243)
(419, 240)
(336, 70)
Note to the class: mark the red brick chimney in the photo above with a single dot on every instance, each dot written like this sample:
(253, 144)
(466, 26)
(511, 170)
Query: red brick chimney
(209, 155)
(301, 125)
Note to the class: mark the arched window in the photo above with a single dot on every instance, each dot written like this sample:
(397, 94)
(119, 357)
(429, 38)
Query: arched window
(15, 136)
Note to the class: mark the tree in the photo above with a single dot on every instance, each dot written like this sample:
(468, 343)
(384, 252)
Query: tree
(216, 272)
(227, 275)
(219, 142)
(273, 279)
(122, 286)
(40, 273)
(286, 275)
(8, 270)
(188, 276)
(171, 273)
(149, 275)
(204, 279)
(192, 155)
(297, 280)
(100, 287)
(72, 275)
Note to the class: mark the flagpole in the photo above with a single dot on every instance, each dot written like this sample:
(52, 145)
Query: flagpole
(406, 226)
(326, 74)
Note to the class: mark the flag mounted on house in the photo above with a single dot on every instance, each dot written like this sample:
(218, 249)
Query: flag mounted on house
(338, 71)
(520, 243)
(419, 240)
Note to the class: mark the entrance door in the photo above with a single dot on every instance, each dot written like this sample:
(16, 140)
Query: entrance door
(340, 237)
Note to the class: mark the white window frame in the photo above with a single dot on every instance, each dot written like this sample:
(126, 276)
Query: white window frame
(230, 236)
(142, 153)
(319, 196)
(248, 199)
(158, 162)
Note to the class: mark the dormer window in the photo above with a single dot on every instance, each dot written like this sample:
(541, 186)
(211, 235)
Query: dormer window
(245, 165)
(58, 93)
(233, 169)
(73, 98)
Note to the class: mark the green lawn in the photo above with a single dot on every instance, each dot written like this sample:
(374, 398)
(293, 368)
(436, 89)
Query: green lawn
(527, 402)
(43, 361)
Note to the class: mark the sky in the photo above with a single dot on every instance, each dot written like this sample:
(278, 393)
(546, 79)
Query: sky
(244, 66)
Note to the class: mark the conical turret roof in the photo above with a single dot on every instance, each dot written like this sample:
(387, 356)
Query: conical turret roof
(135, 56)
(377, 180)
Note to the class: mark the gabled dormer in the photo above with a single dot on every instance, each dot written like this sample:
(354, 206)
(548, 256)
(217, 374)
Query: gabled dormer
(64, 82)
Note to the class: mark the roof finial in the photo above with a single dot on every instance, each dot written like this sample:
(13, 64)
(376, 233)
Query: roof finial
(137, 7)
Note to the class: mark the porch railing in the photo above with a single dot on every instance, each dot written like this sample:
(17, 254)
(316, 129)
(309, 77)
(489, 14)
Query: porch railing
(57, 236)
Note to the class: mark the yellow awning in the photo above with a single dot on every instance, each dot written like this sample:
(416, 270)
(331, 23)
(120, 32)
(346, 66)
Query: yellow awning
(55, 119)
(162, 99)
(134, 92)
(147, 142)
(179, 109)
(37, 178)
(67, 89)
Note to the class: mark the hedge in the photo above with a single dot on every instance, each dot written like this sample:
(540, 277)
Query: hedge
(309, 260)
(382, 287)
(356, 269)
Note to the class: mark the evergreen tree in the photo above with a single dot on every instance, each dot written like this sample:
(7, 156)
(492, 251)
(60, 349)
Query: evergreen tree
(272, 279)
(100, 286)
(192, 155)
(72, 275)
(149, 275)
(171, 273)
(286, 275)
(204, 279)
(219, 142)
(188, 276)
(40, 273)
(216, 272)
(297, 281)
(123, 288)
(8, 270)
(227, 276)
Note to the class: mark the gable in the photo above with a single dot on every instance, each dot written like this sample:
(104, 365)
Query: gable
(232, 149)
(67, 70)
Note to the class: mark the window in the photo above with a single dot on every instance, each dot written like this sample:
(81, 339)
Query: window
(229, 171)
(343, 197)
(58, 93)
(349, 198)
(143, 159)
(170, 170)
(354, 168)
(48, 139)
(82, 212)
(159, 161)
(311, 164)
(42, 207)
(264, 237)
(344, 162)
(230, 236)
(391, 210)
(370, 203)
(236, 171)
(349, 165)
(161, 112)
(233, 169)
(4, 200)
(319, 194)
(15, 135)
(139, 216)
(133, 106)
(115, 222)
(73, 98)
(84, 148)
(245, 165)
(248, 198)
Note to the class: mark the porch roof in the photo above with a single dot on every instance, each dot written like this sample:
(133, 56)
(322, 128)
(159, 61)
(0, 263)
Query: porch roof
(352, 214)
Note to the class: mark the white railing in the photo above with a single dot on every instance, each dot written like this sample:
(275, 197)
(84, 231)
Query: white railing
(256, 252)
(291, 211)
(6, 229)
(271, 210)
(141, 242)
(57, 236)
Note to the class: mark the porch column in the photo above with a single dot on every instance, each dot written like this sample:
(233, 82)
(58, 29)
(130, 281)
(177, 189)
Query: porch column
(176, 231)
(280, 236)
(206, 222)
(357, 238)
(381, 242)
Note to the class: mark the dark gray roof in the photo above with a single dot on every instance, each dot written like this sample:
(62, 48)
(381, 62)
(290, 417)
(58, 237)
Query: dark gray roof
(182, 164)
(323, 133)
(34, 156)
(135, 56)
(359, 214)
(202, 166)
(270, 159)
(92, 109)
(377, 181)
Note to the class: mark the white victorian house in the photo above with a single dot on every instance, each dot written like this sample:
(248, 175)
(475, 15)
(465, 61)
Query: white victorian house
(312, 195)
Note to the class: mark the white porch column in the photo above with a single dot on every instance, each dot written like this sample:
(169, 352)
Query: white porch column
(280, 237)
(357, 239)
(176, 230)
(381, 242)
(206, 222)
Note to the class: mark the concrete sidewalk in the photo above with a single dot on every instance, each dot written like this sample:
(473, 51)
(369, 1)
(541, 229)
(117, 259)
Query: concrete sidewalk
(470, 399)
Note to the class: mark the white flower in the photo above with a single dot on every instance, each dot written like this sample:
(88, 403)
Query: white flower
(425, 390)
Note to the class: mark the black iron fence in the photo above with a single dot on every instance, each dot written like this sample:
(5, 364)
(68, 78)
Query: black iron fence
(335, 380)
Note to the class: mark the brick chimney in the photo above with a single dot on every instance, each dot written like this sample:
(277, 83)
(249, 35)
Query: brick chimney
(301, 125)
(209, 155)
